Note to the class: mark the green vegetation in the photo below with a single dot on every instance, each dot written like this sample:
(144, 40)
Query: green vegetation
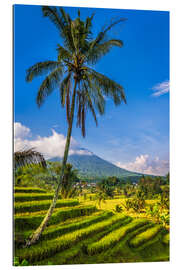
(30, 221)
(25, 197)
(28, 157)
(166, 239)
(84, 234)
(143, 237)
(115, 236)
(41, 251)
(32, 206)
(29, 190)
(17, 263)
(92, 167)
(52, 232)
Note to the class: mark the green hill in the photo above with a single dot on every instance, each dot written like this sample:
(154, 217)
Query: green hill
(92, 167)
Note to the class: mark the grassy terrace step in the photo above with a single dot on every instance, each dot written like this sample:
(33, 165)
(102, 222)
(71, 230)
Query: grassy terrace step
(29, 190)
(79, 250)
(154, 249)
(42, 250)
(145, 236)
(38, 213)
(165, 239)
(70, 253)
(63, 227)
(24, 197)
(34, 206)
(115, 236)
(121, 252)
(20, 236)
(28, 222)
(53, 231)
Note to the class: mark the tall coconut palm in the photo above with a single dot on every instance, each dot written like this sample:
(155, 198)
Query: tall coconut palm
(81, 87)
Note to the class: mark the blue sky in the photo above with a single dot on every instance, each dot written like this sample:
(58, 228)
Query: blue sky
(134, 136)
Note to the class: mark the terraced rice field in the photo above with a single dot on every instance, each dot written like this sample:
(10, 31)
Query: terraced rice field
(80, 233)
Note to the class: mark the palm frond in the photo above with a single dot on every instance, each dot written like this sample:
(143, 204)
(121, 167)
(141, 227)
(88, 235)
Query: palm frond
(64, 88)
(63, 23)
(96, 95)
(109, 87)
(88, 23)
(85, 103)
(90, 104)
(52, 14)
(100, 50)
(40, 68)
(48, 85)
(101, 36)
(28, 157)
(63, 54)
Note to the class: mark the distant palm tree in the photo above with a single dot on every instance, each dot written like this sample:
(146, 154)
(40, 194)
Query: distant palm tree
(28, 157)
(81, 87)
(101, 198)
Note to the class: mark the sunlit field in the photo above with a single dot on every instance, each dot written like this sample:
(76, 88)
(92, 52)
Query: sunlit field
(87, 230)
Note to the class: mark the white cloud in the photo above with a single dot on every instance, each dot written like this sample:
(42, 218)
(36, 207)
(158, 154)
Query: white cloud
(161, 88)
(21, 131)
(145, 164)
(80, 152)
(50, 146)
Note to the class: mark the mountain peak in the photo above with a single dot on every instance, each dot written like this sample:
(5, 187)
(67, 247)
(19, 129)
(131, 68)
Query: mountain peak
(92, 167)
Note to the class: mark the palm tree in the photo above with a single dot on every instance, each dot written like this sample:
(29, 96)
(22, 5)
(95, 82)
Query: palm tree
(101, 198)
(67, 188)
(28, 157)
(81, 87)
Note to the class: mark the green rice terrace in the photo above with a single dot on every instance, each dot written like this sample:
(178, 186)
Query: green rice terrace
(80, 231)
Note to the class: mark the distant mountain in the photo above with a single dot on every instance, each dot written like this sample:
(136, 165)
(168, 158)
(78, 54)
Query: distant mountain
(92, 167)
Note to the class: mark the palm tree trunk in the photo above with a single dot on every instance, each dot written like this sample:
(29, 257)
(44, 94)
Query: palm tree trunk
(36, 235)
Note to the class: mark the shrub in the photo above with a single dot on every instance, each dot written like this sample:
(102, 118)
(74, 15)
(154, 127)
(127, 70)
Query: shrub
(127, 204)
(23, 263)
(161, 216)
(164, 218)
(119, 208)
(137, 204)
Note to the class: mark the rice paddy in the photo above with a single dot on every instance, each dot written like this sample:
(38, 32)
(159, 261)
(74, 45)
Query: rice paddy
(79, 232)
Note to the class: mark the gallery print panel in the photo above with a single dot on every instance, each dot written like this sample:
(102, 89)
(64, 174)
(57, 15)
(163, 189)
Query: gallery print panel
(91, 135)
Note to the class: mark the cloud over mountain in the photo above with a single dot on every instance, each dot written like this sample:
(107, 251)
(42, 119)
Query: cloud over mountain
(53, 147)
(50, 146)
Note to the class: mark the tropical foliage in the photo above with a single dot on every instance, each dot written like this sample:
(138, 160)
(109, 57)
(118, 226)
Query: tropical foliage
(28, 157)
